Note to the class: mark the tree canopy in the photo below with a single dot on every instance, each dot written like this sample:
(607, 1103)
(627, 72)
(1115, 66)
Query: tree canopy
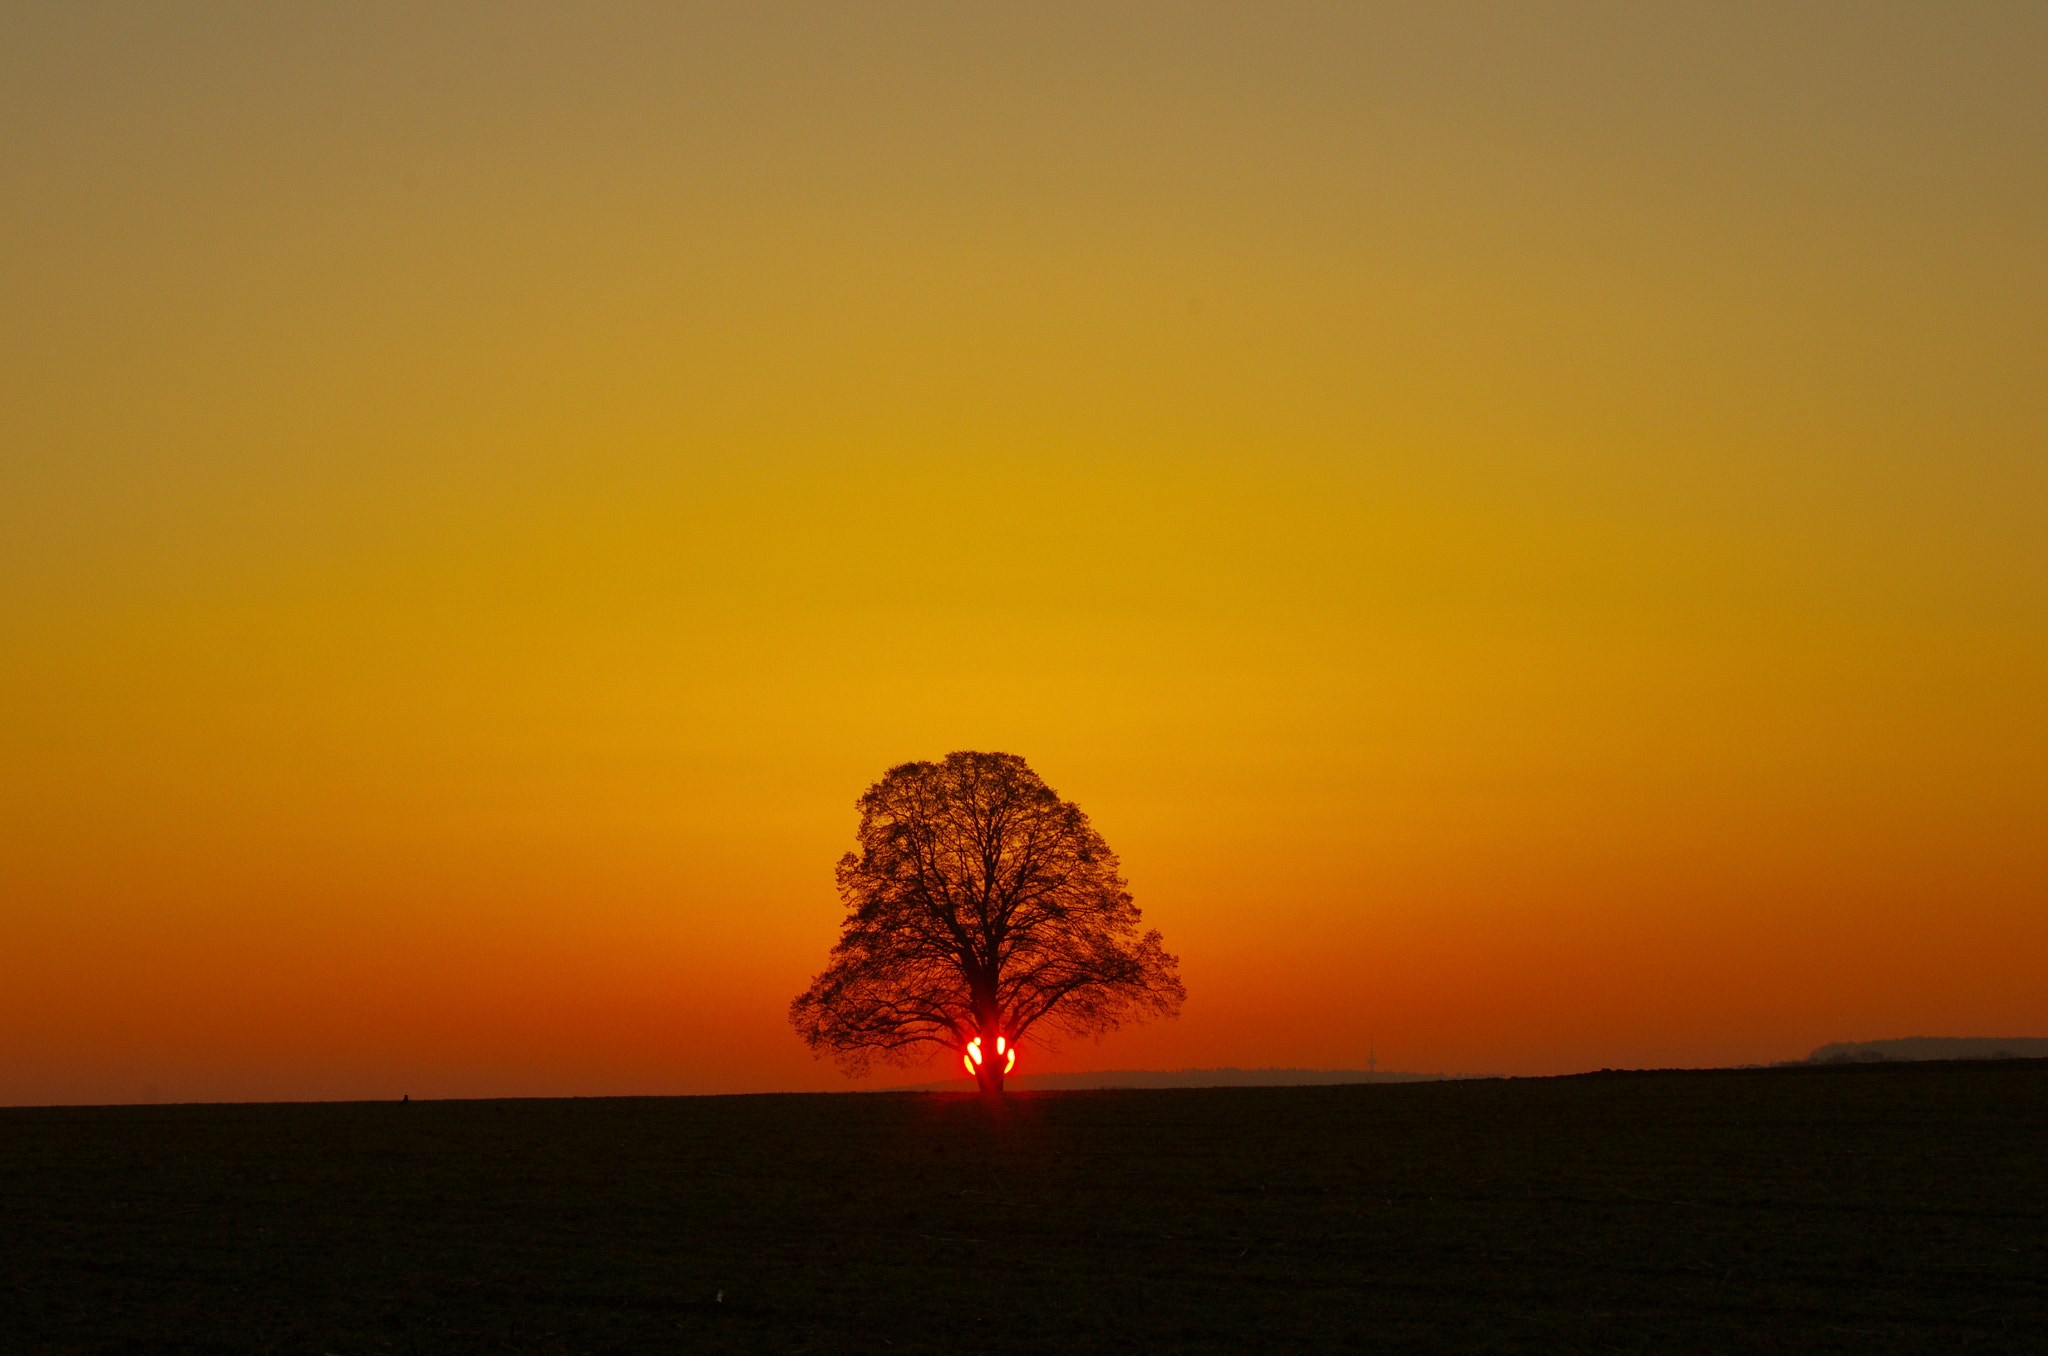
(980, 907)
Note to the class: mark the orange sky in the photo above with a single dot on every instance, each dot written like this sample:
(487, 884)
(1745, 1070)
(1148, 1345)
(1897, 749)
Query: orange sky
(1528, 529)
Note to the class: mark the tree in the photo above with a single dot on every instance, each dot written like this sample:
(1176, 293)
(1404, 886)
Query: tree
(980, 907)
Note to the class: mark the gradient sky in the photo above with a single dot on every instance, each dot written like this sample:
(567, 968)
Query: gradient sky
(1526, 526)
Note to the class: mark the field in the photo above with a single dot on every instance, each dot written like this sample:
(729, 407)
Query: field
(1861, 1208)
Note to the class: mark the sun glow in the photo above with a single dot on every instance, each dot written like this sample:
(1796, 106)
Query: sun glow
(971, 1058)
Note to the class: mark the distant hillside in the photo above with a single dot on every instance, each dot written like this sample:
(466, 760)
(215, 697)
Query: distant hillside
(1932, 1047)
(1183, 1078)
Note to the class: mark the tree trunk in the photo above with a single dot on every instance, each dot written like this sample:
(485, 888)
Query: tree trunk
(989, 1076)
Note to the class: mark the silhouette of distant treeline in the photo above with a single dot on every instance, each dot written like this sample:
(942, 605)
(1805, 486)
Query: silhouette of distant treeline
(1930, 1047)
(1190, 1078)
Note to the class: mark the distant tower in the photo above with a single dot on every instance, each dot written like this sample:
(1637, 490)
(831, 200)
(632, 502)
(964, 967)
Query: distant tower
(1372, 1058)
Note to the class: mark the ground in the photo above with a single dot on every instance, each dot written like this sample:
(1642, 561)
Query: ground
(1862, 1208)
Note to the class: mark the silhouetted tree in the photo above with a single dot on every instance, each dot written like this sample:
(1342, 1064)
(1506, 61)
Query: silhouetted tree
(979, 907)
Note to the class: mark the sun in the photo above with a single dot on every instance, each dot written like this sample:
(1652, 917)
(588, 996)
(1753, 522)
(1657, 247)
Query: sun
(972, 1058)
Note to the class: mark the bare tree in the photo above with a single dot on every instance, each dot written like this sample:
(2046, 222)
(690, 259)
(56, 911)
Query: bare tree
(980, 907)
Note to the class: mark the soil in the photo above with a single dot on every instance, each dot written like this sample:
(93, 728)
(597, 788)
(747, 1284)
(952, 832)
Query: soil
(1865, 1208)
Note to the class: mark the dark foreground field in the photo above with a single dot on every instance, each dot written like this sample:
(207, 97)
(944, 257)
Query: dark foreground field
(1856, 1209)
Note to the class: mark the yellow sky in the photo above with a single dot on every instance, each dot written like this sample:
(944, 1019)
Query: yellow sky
(1523, 526)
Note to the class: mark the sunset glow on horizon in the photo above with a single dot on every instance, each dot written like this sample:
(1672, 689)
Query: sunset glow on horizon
(1525, 529)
